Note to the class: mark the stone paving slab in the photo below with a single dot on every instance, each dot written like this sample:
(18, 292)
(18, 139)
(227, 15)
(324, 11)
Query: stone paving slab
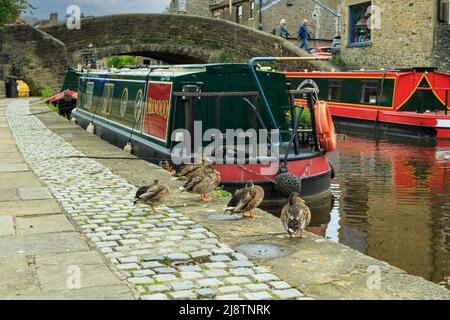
(8, 195)
(18, 167)
(29, 208)
(53, 271)
(16, 276)
(34, 193)
(113, 292)
(43, 224)
(11, 160)
(15, 180)
(42, 243)
(6, 226)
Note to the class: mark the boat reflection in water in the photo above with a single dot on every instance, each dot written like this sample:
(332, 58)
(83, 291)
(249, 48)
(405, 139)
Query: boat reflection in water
(391, 202)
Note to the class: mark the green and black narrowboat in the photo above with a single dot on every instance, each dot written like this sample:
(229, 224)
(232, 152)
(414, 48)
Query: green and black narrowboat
(146, 106)
(404, 101)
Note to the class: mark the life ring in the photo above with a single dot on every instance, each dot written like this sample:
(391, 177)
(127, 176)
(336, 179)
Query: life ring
(325, 127)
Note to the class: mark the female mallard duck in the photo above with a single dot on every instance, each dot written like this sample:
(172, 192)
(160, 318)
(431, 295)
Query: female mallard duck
(190, 171)
(204, 183)
(153, 195)
(296, 216)
(246, 200)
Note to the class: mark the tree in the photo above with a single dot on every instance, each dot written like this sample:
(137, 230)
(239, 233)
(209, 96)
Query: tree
(120, 61)
(10, 10)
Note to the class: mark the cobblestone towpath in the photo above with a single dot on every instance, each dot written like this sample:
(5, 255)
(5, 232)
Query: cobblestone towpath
(165, 256)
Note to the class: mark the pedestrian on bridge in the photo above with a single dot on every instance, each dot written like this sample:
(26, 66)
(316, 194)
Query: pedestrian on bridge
(303, 34)
(284, 33)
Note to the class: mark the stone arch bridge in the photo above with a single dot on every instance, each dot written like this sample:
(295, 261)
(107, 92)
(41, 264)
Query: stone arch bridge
(172, 38)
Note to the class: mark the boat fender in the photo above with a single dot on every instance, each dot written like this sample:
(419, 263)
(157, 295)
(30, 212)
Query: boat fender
(91, 128)
(286, 183)
(325, 127)
(128, 148)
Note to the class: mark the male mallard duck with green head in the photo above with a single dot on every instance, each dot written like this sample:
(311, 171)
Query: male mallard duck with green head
(246, 200)
(295, 216)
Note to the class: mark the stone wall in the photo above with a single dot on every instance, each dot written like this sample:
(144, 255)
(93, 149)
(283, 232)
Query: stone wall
(34, 56)
(405, 38)
(441, 52)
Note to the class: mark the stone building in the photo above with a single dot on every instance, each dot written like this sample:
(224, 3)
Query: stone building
(193, 7)
(386, 33)
(53, 21)
(323, 15)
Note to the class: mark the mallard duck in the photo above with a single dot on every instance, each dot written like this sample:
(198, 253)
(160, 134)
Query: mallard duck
(204, 183)
(245, 200)
(295, 216)
(190, 171)
(153, 195)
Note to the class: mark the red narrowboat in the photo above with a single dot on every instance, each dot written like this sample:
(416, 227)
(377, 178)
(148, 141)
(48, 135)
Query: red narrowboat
(403, 101)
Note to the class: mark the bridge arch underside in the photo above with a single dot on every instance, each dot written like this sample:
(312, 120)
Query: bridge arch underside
(172, 54)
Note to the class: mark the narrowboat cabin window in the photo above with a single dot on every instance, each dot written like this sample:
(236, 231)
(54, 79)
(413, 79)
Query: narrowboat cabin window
(360, 24)
(369, 92)
(107, 98)
(138, 105)
(334, 90)
(124, 103)
(87, 98)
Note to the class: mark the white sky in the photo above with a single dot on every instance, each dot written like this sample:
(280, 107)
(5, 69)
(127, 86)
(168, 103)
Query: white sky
(97, 7)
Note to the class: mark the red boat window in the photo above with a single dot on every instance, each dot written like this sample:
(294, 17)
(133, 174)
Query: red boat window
(369, 92)
(334, 90)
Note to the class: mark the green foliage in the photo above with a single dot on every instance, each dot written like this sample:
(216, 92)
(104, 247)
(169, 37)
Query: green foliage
(305, 121)
(120, 61)
(232, 56)
(10, 10)
(34, 89)
(221, 193)
(46, 92)
(337, 60)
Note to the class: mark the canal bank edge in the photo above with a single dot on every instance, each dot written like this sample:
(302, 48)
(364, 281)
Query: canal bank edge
(319, 268)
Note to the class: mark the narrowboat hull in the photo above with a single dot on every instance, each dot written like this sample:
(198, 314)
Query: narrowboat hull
(392, 122)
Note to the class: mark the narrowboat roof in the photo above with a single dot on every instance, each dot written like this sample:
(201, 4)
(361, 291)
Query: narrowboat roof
(170, 70)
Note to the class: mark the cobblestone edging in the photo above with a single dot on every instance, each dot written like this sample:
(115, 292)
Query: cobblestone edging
(164, 256)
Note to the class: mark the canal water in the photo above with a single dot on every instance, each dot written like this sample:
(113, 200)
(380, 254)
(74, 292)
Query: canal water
(391, 201)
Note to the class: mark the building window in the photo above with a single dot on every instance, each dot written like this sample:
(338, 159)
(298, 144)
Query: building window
(360, 23)
(138, 105)
(369, 92)
(239, 13)
(108, 92)
(444, 11)
(88, 97)
(334, 90)
(124, 103)
(252, 10)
